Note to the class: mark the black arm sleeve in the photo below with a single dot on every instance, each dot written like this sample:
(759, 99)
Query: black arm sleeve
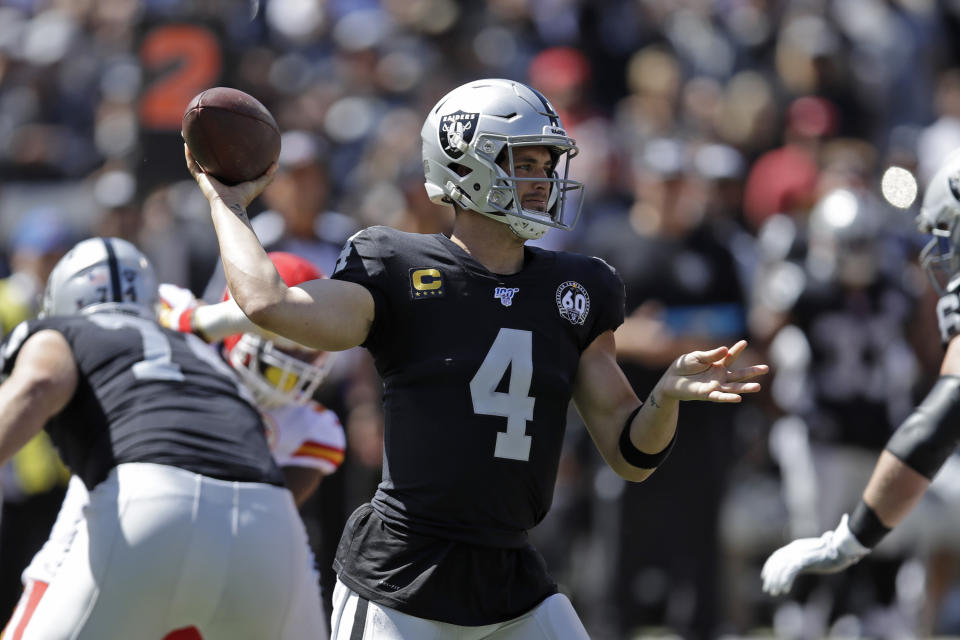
(931, 433)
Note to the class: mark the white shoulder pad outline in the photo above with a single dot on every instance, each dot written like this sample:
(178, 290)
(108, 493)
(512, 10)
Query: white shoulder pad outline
(345, 253)
(13, 343)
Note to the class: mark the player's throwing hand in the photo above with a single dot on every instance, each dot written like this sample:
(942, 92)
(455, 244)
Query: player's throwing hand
(242, 193)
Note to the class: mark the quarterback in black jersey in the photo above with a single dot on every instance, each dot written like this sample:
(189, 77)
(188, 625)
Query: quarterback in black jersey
(188, 522)
(481, 343)
(924, 440)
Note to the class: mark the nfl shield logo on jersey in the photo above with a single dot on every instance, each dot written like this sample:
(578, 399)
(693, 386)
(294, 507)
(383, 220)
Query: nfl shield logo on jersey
(455, 128)
(573, 302)
(505, 294)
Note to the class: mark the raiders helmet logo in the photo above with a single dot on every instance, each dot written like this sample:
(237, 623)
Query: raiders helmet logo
(455, 128)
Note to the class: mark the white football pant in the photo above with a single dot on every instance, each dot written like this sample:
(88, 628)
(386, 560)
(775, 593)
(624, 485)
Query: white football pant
(160, 548)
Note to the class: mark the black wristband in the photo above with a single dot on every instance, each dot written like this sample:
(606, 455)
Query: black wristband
(636, 457)
(866, 526)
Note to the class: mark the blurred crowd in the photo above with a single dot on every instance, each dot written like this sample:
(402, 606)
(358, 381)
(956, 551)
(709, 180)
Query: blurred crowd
(733, 153)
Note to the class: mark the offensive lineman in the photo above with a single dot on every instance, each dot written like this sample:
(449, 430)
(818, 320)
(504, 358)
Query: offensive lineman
(481, 343)
(923, 442)
(306, 439)
(188, 522)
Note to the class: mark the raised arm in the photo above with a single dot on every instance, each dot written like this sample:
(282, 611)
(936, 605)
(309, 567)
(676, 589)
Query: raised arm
(635, 438)
(323, 314)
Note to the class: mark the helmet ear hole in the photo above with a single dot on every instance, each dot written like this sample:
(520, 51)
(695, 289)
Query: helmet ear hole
(459, 169)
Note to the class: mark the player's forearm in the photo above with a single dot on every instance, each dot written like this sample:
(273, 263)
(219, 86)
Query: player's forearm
(655, 426)
(251, 276)
(41, 384)
(894, 489)
(217, 321)
(22, 416)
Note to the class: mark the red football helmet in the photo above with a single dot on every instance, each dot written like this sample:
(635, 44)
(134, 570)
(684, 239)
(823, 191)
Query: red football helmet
(278, 371)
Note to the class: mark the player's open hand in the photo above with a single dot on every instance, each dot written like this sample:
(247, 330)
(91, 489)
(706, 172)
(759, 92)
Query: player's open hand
(707, 375)
(242, 193)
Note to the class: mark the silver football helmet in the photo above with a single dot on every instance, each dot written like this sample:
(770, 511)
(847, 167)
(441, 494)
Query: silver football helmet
(940, 216)
(277, 372)
(101, 274)
(480, 123)
(844, 229)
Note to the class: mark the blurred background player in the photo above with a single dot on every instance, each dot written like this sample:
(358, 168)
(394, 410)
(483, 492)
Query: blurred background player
(920, 446)
(182, 487)
(845, 374)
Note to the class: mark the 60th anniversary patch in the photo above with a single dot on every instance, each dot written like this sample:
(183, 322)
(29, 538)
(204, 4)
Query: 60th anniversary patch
(573, 302)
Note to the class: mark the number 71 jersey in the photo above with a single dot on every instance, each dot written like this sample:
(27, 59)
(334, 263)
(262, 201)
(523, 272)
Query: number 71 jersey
(478, 372)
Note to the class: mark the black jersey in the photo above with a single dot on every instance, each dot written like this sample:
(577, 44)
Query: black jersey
(148, 394)
(860, 378)
(478, 371)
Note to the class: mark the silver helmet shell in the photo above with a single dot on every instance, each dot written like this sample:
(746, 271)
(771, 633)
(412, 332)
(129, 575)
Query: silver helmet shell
(481, 122)
(101, 274)
(844, 228)
(940, 216)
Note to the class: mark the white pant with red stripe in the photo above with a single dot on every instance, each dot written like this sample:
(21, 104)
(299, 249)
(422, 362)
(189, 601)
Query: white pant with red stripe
(159, 548)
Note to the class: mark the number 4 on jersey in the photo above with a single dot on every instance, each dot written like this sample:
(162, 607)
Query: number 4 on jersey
(513, 349)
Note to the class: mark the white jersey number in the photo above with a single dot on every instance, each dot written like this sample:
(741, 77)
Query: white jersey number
(157, 363)
(513, 349)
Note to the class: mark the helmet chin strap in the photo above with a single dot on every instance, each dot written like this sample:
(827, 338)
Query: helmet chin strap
(459, 196)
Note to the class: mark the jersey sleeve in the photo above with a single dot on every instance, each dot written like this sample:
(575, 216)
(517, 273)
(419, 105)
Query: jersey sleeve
(362, 261)
(11, 346)
(612, 298)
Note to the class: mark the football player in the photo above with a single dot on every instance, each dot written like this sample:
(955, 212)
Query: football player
(481, 343)
(924, 440)
(185, 500)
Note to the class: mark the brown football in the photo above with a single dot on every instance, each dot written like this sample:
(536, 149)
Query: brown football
(232, 136)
